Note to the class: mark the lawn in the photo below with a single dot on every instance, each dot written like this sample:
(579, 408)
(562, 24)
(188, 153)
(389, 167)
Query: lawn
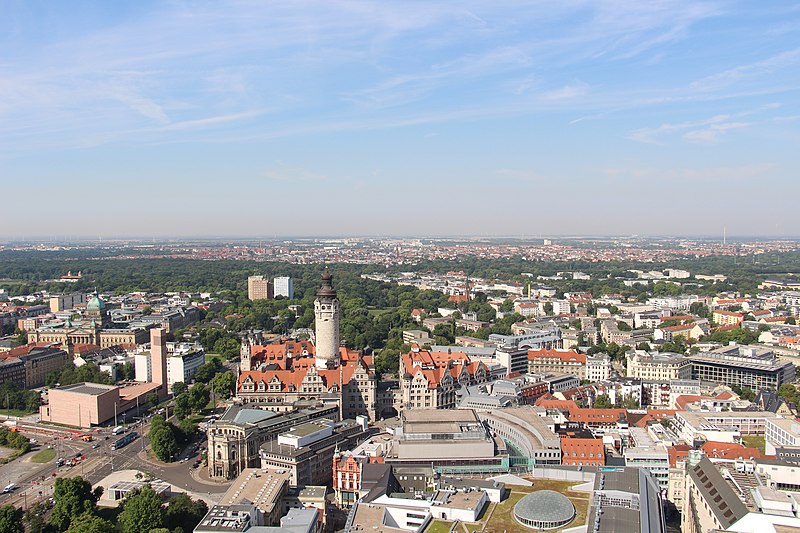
(16, 412)
(501, 519)
(44, 456)
(439, 526)
(754, 441)
(375, 312)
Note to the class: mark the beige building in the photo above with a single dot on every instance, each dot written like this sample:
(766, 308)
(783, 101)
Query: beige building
(81, 405)
(265, 489)
(88, 334)
(88, 404)
(656, 366)
(62, 302)
(234, 440)
(259, 288)
(556, 362)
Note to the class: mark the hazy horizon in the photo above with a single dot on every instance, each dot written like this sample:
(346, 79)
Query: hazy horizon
(249, 118)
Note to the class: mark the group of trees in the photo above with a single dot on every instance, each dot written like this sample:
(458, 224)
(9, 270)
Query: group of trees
(191, 400)
(13, 439)
(604, 402)
(789, 393)
(12, 397)
(71, 374)
(164, 437)
(75, 511)
(143, 511)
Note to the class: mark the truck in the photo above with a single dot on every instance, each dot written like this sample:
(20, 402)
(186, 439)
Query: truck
(118, 430)
(124, 441)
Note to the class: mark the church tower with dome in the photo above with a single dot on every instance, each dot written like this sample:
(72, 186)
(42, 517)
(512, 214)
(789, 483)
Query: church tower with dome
(327, 313)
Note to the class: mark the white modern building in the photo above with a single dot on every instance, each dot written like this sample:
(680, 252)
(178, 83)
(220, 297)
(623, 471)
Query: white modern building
(144, 370)
(182, 365)
(283, 286)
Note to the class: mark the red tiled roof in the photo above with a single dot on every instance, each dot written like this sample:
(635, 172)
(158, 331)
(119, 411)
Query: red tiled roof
(564, 355)
(726, 450)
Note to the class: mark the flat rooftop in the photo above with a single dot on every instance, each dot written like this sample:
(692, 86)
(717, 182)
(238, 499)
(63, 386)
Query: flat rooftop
(137, 391)
(92, 389)
(261, 487)
(308, 428)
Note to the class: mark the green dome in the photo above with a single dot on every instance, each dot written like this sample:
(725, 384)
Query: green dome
(96, 304)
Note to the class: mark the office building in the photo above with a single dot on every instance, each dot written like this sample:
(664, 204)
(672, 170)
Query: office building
(655, 366)
(742, 366)
(259, 288)
(283, 286)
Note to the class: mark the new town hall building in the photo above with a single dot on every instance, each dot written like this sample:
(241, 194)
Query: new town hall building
(278, 375)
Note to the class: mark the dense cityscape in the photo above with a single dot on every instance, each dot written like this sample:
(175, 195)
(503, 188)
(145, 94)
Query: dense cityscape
(392, 395)
(361, 266)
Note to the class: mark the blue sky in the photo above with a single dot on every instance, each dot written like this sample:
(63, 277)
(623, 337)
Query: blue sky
(171, 118)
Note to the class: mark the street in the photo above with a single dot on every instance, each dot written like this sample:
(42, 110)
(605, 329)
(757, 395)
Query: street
(35, 481)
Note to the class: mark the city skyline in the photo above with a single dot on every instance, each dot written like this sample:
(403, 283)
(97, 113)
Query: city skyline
(249, 119)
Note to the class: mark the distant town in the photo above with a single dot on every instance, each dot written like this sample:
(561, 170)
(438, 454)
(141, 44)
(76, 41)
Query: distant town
(402, 385)
(399, 251)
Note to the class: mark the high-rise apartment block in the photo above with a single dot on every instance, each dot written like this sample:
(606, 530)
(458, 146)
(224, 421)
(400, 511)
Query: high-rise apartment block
(259, 288)
(283, 286)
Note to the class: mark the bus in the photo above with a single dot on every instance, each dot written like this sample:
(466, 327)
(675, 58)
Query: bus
(11, 487)
(118, 430)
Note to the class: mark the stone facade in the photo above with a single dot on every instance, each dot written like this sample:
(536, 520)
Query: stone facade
(429, 379)
(327, 314)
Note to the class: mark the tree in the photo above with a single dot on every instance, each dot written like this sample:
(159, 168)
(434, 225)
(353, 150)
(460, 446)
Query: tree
(223, 384)
(34, 518)
(700, 309)
(183, 406)
(630, 402)
(10, 519)
(128, 371)
(602, 402)
(623, 326)
(89, 523)
(142, 511)
(198, 397)
(74, 496)
(205, 372)
(548, 309)
(185, 513)
(179, 387)
(151, 400)
(163, 441)
(791, 321)
(388, 360)
(789, 393)
(747, 394)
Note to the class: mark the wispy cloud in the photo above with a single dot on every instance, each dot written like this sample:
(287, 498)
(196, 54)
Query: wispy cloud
(567, 92)
(710, 129)
(714, 132)
(756, 70)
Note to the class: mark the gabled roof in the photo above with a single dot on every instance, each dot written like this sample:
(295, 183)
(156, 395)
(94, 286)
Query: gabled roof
(567, 356)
